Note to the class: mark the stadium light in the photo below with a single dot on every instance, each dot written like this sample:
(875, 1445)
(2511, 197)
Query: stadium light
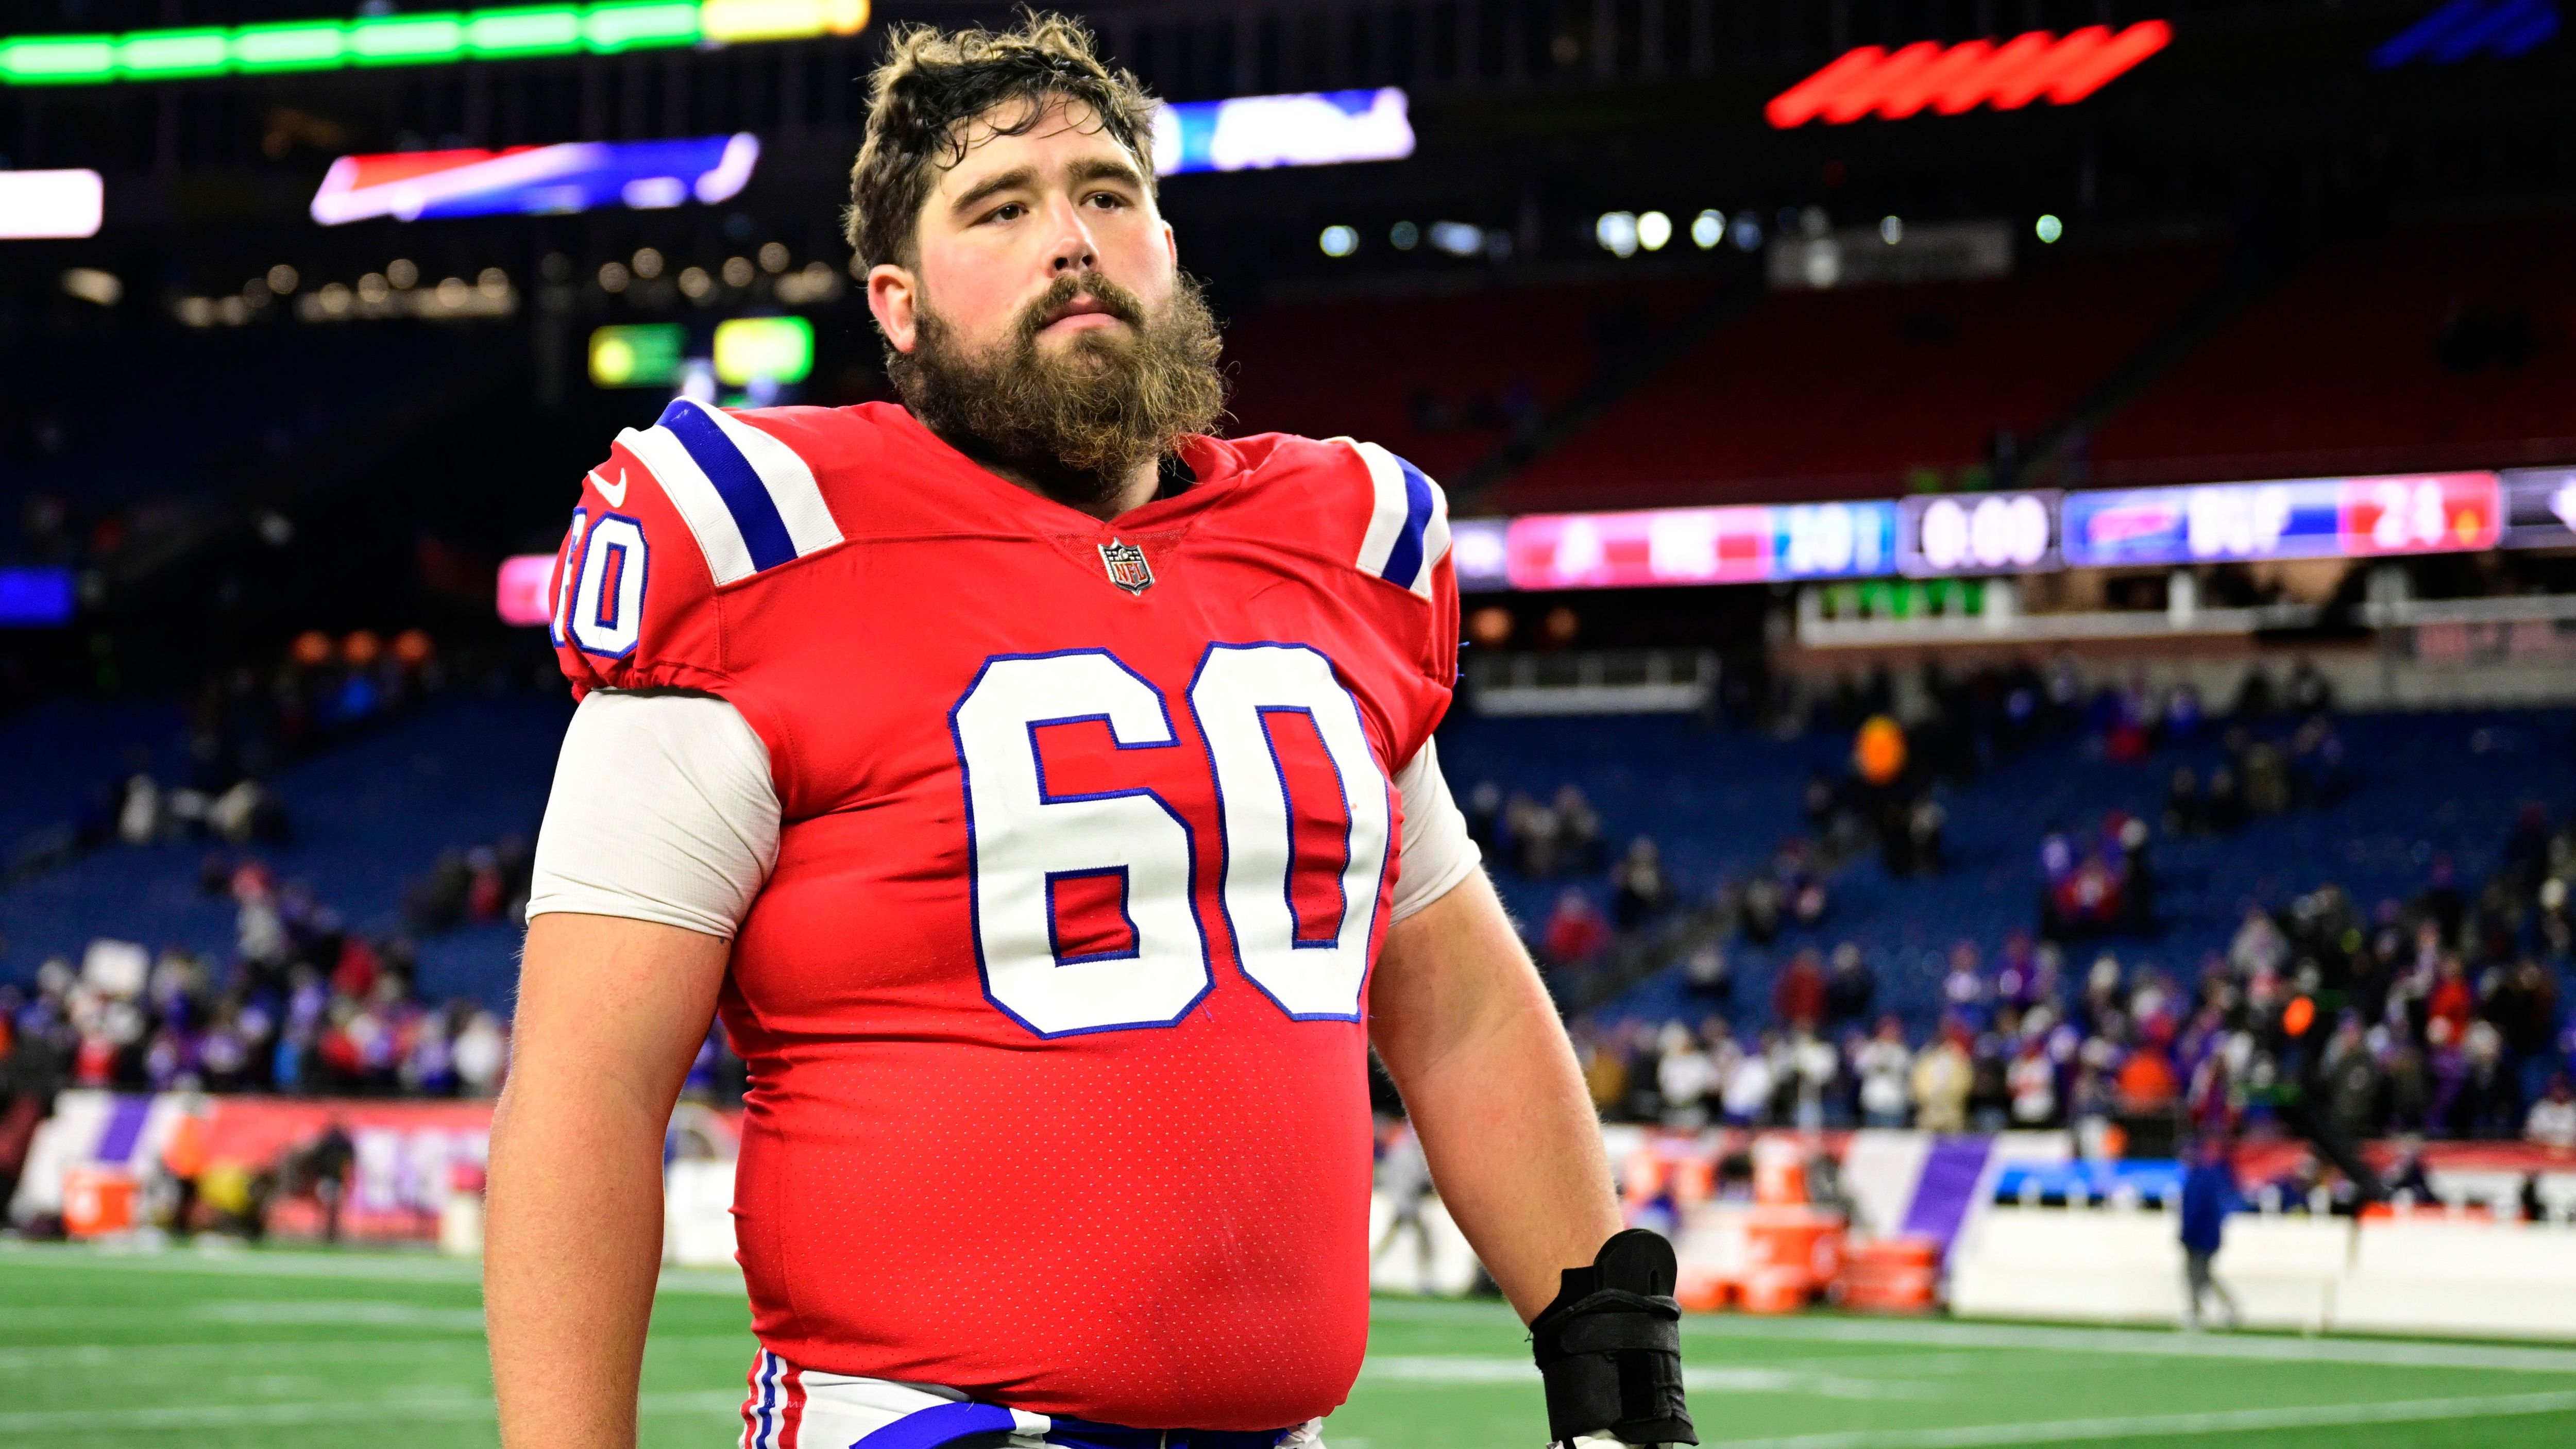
(1339, 241)
(1617, 233)
(94, 286)
(1952, 79)
(1457, 238)
(1708, 229)
(508, 33)
(2050, 228)
(1653, 230)
(51, 204)
(1404, 236)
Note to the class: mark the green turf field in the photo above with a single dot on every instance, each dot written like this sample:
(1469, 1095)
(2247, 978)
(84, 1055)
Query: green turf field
(283, 1350)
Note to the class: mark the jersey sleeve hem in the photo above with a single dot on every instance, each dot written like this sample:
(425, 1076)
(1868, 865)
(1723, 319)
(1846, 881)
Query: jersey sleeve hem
(592, 900)
(1453, 874)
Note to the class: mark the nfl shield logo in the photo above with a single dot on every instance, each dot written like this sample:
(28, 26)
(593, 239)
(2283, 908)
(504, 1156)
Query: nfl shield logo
(1127, 566)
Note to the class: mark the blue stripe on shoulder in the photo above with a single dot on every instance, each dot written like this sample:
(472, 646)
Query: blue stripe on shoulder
(1405, 559)
(942, 1424)
(764, 533)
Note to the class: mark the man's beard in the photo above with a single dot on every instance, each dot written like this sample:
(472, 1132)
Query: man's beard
(1077, 423)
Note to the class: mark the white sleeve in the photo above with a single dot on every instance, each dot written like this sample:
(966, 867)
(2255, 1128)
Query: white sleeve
(663, 810)
(1437, 851)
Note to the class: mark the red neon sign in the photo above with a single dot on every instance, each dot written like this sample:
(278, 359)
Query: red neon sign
(1955, 78)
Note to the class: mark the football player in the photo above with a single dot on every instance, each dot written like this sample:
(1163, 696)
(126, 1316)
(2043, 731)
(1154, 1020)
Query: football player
(1042, 790)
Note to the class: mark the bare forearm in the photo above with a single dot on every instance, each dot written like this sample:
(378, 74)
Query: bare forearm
(1468, 1033)
(573, 1246)
(610, 1012)
(1516, 1151)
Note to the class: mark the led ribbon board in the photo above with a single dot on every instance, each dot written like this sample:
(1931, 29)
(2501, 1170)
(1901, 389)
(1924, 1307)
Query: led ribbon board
(1977, 533)
(535, 180)
(1250, 132)
(1738, 545)
(523, 597)
(2305, 518)
(1948, 80)
(515, 32)
(2540, 507)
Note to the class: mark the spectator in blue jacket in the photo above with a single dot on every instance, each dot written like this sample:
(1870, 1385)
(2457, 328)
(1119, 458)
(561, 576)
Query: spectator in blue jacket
(2209, 1194)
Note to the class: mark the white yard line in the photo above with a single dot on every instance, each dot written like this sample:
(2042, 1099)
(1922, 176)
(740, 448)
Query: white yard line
(1933, 1333)
(2155, 1426)
(383, 1265)
(1755, 1379)
(50, 1358)
(269, 1416)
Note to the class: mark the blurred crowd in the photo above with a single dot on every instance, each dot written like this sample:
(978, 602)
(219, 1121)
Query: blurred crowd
(305, 1005)
(2444, 1015)
(243, 726)
(479, 884)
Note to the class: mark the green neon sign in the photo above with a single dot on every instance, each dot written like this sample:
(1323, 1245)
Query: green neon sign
(507, 33)
(780, 349)
(638, 354)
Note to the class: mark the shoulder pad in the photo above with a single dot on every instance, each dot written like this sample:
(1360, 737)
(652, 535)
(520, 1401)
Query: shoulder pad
(1408, 528)
(749, 500)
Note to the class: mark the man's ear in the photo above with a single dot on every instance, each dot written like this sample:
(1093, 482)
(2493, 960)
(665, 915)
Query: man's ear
(1172, 245)
(894, 296)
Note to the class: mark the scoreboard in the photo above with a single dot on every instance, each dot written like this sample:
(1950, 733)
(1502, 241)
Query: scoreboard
(1977, 533)
(2303, 518)
(1751, 544)
(2540, 508)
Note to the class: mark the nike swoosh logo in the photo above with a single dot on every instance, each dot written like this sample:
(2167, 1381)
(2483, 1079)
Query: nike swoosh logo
(616, 495)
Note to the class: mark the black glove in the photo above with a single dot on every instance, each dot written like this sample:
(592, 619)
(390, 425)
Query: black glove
(1610, 1347)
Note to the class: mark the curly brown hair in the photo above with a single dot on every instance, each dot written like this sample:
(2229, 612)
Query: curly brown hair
(934, 83)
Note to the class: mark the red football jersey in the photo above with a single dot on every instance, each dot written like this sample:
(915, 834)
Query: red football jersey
(1055, 1001)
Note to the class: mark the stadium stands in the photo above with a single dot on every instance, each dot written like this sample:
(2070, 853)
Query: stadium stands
(221, 402)
(2423, 347)
(367, 818)
(1443, 380)
(65, 755)
(371, 816)
(1720, 803)
(1845, 393)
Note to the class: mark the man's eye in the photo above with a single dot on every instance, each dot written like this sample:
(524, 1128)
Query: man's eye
(1107, 200)
(1007, 211)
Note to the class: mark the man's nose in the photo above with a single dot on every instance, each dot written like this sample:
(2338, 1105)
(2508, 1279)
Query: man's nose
(1073, 250)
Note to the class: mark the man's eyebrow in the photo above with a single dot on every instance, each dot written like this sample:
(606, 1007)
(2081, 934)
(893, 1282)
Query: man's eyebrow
(1013, 179)
(1102, 168)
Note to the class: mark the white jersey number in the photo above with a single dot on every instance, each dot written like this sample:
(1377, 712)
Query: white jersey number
(1239, 687)
(607, 595)
(1022, 839)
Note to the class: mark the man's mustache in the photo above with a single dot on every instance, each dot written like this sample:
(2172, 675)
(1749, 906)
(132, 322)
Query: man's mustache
(1117, 300)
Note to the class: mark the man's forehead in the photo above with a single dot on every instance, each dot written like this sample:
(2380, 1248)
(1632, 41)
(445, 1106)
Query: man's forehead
(987, 137)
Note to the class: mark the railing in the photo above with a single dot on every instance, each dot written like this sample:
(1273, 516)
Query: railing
(1631, 681)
